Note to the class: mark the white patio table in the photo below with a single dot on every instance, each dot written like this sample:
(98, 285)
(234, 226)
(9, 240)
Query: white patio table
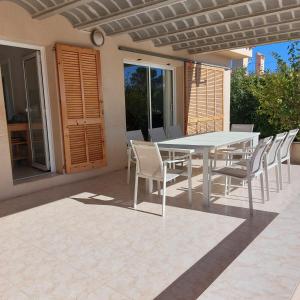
(204, 143)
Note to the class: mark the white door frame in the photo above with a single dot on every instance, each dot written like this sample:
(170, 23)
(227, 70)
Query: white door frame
(46, 93)
(163, 67)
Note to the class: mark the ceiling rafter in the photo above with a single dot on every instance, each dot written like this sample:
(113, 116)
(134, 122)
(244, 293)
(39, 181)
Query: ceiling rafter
(228, 30)
(239, 18)
(185, 44)
(127, 13)
(247, 42)
(255, 36)
(58, 9)
(177, 18)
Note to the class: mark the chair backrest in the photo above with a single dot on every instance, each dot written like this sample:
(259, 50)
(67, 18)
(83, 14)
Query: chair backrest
(134, 135)
(157, 134)
(286, 145)
(258, 155)
(175, 132)
(275, 147)
(242, 127)
(148, 159)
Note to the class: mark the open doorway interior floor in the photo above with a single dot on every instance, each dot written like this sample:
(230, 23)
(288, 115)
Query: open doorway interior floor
(21, 172)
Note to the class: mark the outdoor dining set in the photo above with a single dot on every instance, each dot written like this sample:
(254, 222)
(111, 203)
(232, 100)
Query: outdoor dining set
(244, 157)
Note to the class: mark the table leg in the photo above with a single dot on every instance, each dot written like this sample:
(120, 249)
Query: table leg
(205, 187)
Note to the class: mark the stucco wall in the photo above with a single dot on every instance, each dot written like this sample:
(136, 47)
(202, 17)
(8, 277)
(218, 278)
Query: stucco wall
(17, 26)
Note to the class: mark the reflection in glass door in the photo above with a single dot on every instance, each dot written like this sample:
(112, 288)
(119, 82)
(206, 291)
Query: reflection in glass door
(136, 95)
(148, 97)
(36, 111)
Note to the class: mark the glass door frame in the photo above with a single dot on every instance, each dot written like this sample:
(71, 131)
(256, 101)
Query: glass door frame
(45, 90)
(158, 66)
(37, 56)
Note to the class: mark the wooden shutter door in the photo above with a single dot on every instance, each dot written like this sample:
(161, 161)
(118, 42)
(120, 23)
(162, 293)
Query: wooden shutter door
(82, 107)
(219, 100)
(191, 74)
(203, 98)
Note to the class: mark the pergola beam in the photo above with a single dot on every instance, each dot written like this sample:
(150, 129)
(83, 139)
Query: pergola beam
(127, 13)
(252, 42)
(58, 9)
(229, 4)
(176, 44)
(223, 22)
(179, 46)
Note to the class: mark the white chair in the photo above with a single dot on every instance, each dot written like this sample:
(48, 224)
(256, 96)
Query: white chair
(271, 160)
(157, 134)
(235, 149)
(284, 154)
(132, 135)
(242, 127)
(254, 168)
(149, 165)
(175, 132)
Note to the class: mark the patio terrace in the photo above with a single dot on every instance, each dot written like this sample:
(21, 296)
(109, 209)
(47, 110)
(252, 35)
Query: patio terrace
(83, 241)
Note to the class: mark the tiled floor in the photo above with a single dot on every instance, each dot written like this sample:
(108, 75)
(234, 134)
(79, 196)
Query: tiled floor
(83, 241)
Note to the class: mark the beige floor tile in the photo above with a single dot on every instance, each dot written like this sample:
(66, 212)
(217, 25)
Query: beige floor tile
(90, 244)
(10, 292)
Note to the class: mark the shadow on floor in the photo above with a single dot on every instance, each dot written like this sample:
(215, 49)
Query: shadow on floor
(112, 190)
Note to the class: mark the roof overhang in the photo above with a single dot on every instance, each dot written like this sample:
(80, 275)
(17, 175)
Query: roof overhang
(197, 26)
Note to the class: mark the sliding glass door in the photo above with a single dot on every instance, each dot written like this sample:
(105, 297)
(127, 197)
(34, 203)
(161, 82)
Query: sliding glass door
(148, 97)
(36, 111)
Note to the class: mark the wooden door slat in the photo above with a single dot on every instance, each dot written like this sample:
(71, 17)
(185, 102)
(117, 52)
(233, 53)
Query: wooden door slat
(203, 98)
(81, 107)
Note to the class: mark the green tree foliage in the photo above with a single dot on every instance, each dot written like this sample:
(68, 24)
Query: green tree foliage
(244, 104)
(270, 101)
(279, 92)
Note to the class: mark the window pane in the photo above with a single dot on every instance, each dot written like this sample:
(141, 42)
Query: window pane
(136, 98)
(161, 97)
(145, 110)
(157, 97)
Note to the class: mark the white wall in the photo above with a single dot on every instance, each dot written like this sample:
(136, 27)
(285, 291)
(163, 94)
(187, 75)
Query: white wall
(17, 26)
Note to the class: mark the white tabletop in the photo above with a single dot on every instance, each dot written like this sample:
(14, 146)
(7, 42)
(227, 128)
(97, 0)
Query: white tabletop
(209, 140)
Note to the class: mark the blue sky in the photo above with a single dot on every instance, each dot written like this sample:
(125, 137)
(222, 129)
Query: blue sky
(267, 50)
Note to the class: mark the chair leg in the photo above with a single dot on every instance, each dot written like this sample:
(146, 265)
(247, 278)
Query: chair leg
(226, 186)
(262, 187)
(267, 183)
(230, 179)
(226, 177)
(190, 179)
(136, 191)
(250, 196)
(280, 175)
(164, 197)
(229, 186)
(128, 170)
(277, 178)
(289, 170)
(158, 188)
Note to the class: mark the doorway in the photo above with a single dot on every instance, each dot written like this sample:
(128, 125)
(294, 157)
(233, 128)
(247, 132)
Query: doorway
(23, 90)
